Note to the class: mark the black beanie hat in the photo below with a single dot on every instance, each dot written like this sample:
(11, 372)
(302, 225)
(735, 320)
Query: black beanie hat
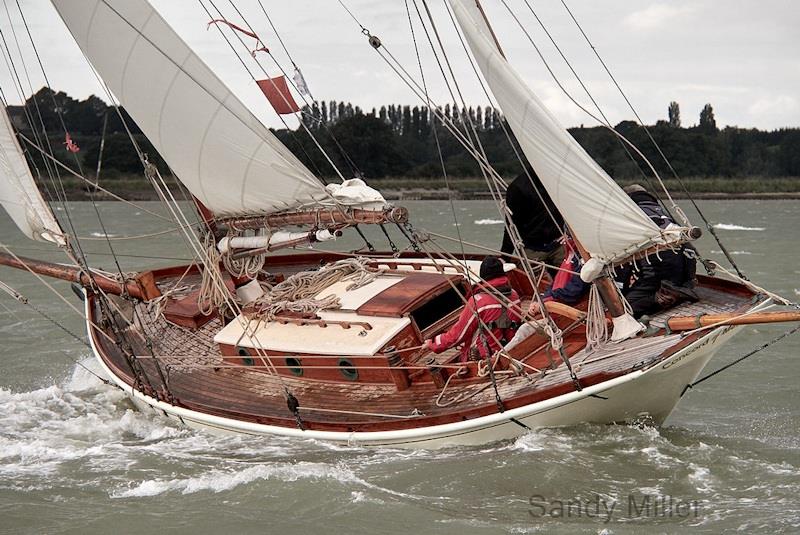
(491, 268)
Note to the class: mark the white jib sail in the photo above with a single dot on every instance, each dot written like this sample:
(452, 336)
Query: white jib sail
(226, 157)
(602, 216)
(18, 192)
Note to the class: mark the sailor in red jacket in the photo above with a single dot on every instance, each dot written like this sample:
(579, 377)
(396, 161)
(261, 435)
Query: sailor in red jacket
(484, 310)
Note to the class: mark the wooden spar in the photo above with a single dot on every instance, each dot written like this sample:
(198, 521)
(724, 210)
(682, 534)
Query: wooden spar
(332, 217)
(604, 285)
(688, 323)
(142, 286)
(694, 234)
(491, 30)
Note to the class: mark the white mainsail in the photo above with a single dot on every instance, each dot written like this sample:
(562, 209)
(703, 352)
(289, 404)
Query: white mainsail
(226, 157)
(18, 192)
(604, 219)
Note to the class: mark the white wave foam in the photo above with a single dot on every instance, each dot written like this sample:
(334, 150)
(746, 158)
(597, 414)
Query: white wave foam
(103, 235)
(736, 253)
(731, 226)
(224, 480)
(701, 477)
(797, 291)
(488, 221)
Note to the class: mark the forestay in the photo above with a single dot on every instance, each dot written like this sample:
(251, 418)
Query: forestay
(604, 219)
(18, 192)
(223, 154)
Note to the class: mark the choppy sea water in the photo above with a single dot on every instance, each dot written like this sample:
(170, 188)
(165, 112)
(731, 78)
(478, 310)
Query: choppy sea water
(76, 457)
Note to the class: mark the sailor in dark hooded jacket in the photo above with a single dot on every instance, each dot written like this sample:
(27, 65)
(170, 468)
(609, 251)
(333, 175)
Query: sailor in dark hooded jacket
(659, 281)
(532, 212)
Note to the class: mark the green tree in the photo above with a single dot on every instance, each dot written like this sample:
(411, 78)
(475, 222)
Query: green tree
(674, 114)
(708, 124)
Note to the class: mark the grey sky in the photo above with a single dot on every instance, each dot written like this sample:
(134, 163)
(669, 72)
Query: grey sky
(742, 56)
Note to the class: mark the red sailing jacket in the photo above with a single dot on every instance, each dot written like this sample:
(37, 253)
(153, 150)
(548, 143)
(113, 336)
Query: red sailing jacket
(468, 331)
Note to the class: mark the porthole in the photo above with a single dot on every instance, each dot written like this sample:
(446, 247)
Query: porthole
(245, 354)
(348, 370)
(295, 366)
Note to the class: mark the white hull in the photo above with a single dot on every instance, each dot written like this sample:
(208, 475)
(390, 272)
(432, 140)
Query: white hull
(650, 394)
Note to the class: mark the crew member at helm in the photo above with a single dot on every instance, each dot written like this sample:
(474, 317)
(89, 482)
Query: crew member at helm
(488, 320)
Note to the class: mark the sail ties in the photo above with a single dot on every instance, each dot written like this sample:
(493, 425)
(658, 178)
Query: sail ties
(259, 47)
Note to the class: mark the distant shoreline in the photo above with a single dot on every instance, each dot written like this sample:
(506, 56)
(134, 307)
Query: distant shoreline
(135, 188)
(438, 195)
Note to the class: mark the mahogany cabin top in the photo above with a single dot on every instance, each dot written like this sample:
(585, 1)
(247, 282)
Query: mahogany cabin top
(393, 309)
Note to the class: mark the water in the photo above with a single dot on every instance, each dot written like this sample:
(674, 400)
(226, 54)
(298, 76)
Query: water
(75, 457)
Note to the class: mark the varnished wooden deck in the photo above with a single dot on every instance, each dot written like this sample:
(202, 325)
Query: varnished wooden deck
(198, 379)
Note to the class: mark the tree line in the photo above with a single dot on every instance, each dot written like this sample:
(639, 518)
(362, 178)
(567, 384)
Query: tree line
(405, 141)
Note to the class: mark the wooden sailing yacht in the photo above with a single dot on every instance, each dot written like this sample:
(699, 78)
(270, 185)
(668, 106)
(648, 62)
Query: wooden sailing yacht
(329, 346)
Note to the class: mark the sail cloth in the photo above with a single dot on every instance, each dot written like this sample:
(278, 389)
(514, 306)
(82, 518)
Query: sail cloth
(18, 192)
(277, 92)
(223, 154)
(603, 218)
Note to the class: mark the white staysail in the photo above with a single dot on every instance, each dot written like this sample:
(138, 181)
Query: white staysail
(604, 219)
(18, 192)
(226, 157)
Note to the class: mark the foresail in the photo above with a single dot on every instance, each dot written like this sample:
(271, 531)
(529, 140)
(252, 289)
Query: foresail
(223, 154)
(18, 192)
(604, 219)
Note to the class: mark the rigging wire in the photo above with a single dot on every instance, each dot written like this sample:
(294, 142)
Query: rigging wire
(160, 185)
(503, 126)
(433, 126)
(353, 167)
(497, 194)
(24, 300)
(53, 174)
(709, 226)
(749, 354)
(608, 127)
(264, 71)
(60, 115)
(594, 102)
(87, 181)
(477, 152)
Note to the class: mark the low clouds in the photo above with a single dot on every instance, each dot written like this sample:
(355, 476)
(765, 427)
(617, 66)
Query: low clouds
(655, 16)
(739, 55)
(778, 104)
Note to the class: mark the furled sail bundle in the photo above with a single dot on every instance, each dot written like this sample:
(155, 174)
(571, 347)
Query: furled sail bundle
(604, 219)
(18, 192)
(223, 154)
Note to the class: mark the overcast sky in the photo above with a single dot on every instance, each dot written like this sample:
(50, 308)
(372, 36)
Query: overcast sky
(741, 56)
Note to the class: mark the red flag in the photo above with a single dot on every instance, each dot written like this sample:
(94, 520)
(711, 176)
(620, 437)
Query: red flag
(71, 146)
(277, 92)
